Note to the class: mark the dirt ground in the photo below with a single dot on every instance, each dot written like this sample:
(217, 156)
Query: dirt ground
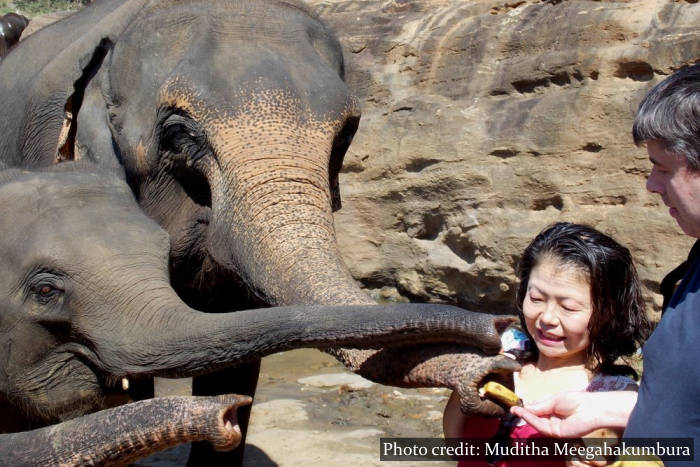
(310, 411)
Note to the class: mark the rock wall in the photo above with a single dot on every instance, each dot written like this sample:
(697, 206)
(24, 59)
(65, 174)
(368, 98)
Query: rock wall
(485, 121)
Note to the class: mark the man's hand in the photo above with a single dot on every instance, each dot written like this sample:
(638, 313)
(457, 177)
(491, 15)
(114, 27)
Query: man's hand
(574, 414)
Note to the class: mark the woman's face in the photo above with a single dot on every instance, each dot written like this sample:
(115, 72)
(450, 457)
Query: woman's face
(557, 308)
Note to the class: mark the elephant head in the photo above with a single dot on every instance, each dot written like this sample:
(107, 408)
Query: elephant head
(87, 303)
(229, 120)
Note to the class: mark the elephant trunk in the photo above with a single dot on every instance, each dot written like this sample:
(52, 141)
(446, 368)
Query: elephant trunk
(283, 199)
(187, 343)
(287, 253)
(124, 434)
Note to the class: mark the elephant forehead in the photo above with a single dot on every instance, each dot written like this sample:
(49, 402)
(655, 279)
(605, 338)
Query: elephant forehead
(209, 31)
(53, 218)
(30, 187)
(261, 78)
(241, 16)
(265, 120)
(43, 201)
(67, 225)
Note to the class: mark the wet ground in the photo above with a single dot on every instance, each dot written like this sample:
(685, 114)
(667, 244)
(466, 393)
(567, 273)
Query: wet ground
(310, 411)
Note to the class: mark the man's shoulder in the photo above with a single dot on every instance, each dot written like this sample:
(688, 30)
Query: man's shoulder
(686, 294)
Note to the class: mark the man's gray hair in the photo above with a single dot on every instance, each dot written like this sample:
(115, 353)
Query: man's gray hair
(670, 114)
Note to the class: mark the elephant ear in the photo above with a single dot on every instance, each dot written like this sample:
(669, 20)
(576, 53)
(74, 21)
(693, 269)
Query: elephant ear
(43, 81)
(340, 146)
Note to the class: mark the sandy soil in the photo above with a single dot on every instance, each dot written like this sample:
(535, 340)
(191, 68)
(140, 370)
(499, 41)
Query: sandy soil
(310, 411)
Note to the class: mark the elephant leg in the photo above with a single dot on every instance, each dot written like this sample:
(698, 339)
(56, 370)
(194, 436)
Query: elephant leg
(241, 379)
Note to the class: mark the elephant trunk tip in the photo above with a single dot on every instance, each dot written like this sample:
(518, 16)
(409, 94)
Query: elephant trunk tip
(228, 435)
(504, 322)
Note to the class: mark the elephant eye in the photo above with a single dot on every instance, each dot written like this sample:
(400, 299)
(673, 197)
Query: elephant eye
(175, 138)
(179, 135)
(44, 292)
(45, 287)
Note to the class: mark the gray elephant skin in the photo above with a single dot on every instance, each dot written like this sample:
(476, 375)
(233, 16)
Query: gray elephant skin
(124, 434)
(229, 120)
(87, 302)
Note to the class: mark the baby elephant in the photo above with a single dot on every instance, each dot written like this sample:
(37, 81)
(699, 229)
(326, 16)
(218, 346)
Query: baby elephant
(11, 27)
(86, 305)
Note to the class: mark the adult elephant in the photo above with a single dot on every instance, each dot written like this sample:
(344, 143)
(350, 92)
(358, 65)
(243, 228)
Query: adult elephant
(230, 119)
(86, 306)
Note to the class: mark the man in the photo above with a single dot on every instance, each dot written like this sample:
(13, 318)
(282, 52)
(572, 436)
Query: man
(667, 404)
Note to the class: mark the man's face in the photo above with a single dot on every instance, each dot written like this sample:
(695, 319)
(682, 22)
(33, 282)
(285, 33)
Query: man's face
(678, 186)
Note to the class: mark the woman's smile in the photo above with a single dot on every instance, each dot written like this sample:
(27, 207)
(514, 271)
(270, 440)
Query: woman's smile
(547, 338)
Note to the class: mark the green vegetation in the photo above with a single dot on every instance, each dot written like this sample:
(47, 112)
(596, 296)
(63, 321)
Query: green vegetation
(31, 8)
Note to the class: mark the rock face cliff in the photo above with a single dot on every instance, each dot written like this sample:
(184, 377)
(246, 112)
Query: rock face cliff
(485, 121)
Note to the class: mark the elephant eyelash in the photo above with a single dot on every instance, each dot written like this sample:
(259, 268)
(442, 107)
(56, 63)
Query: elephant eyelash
(45, 293)
(179, 138)
(47, 281)
(177, 125)
(43, 284)
(173, 137)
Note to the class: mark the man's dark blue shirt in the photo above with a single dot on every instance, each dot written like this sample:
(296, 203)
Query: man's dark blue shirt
(668, 404)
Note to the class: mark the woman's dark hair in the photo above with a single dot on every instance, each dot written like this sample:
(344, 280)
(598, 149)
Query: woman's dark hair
(670, 114)
(619, 323)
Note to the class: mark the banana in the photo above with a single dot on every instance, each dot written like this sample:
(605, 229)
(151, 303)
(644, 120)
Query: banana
(500, 393)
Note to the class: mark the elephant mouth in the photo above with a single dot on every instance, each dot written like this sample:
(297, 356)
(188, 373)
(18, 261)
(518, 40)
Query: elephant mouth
(222, 431)
(115, 389)
(505, 379)
(59, 387)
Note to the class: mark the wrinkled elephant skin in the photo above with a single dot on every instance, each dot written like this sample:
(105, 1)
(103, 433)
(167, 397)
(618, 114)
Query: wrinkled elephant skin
(88, 304)
(122, 435)
(229, 120)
